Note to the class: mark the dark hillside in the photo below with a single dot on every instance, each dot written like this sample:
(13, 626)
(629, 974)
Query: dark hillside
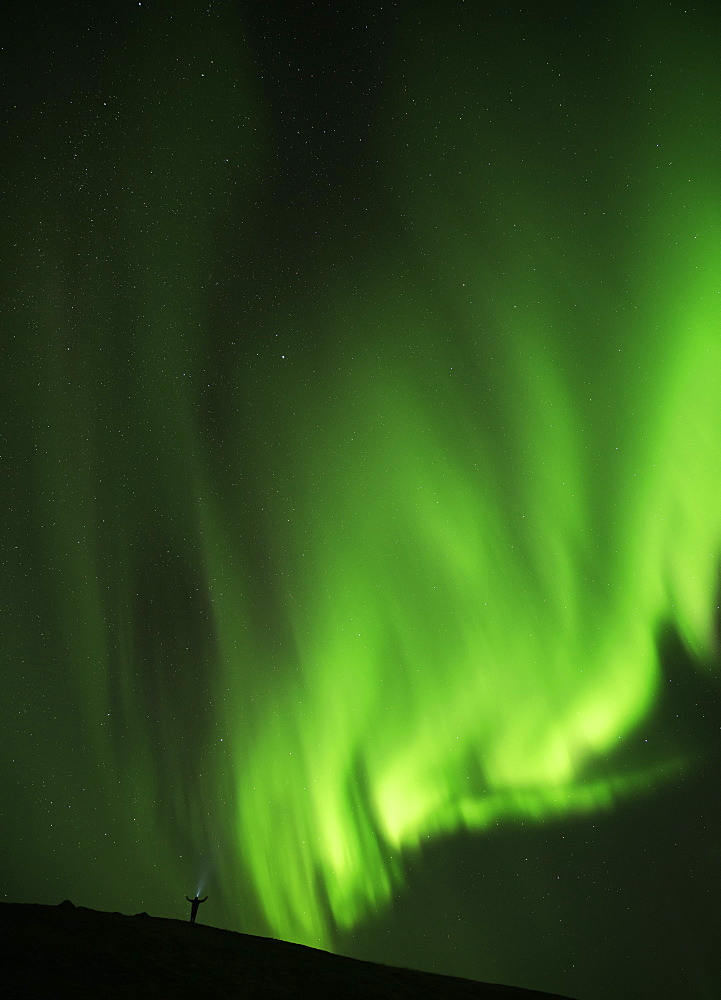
(72, 952)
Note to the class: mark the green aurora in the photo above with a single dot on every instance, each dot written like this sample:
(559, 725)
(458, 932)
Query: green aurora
(349, 528)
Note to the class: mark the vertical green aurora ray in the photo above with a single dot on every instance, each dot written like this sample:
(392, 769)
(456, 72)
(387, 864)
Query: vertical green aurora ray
(490, 529)
(133, 163)
(190, 165)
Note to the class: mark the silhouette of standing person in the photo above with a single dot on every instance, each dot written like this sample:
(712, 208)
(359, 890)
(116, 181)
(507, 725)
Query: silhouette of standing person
(194, 904)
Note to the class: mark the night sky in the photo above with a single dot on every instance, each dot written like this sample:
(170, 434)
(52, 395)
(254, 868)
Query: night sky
(361, 457)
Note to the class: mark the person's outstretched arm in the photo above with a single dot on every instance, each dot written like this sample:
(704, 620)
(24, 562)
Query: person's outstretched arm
(203, 900)
(189, 899)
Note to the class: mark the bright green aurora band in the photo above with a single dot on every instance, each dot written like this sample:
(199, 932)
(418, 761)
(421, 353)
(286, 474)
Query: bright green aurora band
(414, 581)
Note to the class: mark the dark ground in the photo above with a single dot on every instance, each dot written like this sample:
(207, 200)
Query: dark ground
(70, 951)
